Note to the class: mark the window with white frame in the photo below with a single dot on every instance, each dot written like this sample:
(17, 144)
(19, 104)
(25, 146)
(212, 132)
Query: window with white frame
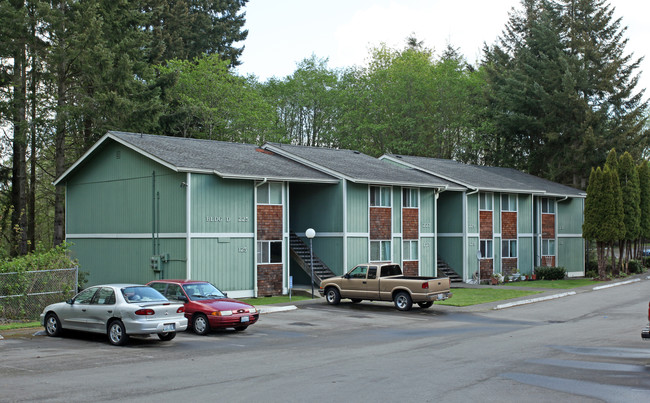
(409, 197)
(509, 248)
(380, 196)
(485, 201)
(269, 193)
(269, 252)
(410, 250)
(486, 249)
(508, 202)
(548, 205)
(380, 251)
(548, 247)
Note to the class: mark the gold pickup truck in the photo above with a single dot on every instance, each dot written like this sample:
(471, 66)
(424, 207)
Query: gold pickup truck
(385, 282)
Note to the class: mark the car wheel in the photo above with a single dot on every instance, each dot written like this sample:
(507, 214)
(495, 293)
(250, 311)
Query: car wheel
(52, 325)
(356, 300)
(403, 301)
(167, 336)
(333, 296)
(426, 304)
(117, 333)
(241, 328)
(200, 324)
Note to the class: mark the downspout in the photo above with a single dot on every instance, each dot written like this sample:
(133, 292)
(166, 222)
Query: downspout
(255, 237)
(435, 230)
(188, 227)
(465, 260)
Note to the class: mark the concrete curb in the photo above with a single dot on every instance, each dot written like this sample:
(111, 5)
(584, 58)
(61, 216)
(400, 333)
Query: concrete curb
(531, 301)
(273, 309)
(600, 287)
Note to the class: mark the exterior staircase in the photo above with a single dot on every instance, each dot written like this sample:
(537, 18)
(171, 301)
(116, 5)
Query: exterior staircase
(300, 254)
(445, 270)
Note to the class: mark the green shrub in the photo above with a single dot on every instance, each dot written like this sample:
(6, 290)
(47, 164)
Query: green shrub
(591, 273)
(550, 273)
(646, 261)
(634, 267)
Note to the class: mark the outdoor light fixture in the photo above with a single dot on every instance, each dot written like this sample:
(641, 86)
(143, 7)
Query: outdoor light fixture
(310, 233)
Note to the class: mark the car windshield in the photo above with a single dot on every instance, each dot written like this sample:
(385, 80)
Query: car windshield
(142, 294)
(200, 291)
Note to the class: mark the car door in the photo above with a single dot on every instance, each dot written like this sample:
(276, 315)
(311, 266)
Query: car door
(100, 310)
(74, 315)
(371, 286)
(353, 285)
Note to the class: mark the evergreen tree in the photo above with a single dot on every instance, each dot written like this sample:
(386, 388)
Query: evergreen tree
(644, 203)
(630, 191)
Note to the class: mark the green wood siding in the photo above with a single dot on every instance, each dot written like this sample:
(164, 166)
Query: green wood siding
(526, 256)
(427, 211)
(570, 216)
(397, 210)
(496, 264)
(450, 212)
(228, 263)
(570, 254)
(113, 194)
(222, 205)
(525, 214)
(472, 215)
(427, 258)
(472, 261)
(127, 260)
(358, 207)
(397, 250)
(330, 251)
(316, 206)
(496, 216)
(450, 249)
(357, 252)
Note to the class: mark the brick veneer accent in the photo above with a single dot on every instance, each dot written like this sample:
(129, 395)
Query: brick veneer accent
(380, 223)
(485, 224)
(548, 261)
(548, 226)
(410, 268)
(508, 266)
(486, 269)
(269, 279)
(509, 225)
(410, 223)
(269, 222)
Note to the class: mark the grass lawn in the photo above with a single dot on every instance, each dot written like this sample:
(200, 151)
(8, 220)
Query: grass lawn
(273, 300)
(475, 296)
(19, 325)
(559, 284)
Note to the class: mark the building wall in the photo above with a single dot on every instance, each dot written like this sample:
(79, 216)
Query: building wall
(269, 228)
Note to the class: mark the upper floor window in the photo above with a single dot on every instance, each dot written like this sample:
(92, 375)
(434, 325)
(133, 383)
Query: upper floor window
(485, 201)
(409, 197)
(548, 205)
(379, 196)
(269, 193)
(508, 202)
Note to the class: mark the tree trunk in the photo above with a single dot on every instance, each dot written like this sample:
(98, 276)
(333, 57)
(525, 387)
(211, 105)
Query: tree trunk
(59, 141)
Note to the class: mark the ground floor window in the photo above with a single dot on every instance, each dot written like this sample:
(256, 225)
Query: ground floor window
(380, 251)
(548, 247)
(486, 249)
(509, 248)
(269, 252)
(410, 250)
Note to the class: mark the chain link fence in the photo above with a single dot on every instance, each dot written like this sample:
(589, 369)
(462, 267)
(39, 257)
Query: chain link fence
(23, 295)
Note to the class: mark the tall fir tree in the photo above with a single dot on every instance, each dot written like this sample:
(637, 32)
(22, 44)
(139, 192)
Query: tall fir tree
(630, 191)
(644, 204)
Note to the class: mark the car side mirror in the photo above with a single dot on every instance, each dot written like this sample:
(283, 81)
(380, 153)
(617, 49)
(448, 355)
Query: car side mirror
(182, 298)
(225, 294)
(346, 275)
(70, 301)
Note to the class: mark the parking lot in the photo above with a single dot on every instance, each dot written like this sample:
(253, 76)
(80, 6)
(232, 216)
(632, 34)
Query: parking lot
(586, 347)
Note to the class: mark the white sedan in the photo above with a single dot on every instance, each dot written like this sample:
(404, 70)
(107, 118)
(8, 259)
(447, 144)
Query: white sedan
(119, 310)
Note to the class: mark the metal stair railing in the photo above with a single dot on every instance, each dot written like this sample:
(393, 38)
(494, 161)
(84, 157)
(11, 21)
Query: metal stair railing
(300, 254)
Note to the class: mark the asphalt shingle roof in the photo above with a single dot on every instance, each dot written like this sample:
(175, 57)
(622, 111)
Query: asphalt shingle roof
(488, 178)
(359, 167)
(230, 160)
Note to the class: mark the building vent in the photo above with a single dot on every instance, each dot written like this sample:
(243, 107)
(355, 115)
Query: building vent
(118, 154)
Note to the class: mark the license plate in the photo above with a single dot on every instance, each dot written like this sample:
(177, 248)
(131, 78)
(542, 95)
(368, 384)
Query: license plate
(245, 319)
(169, 327)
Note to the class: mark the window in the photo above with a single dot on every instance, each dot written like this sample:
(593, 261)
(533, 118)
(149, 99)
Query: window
(409, 197)
(379, 196)
(358, 272)
(379, 251)
(174, 292)
(390, 270)
(105, 296)
(548, 205)
(85, 296)
(372, 272)
(269, 252)
(486, 248)
(485, 201)
(410, 250)
(509, 248)
(548, 247)
(508, 202)
(269, 193)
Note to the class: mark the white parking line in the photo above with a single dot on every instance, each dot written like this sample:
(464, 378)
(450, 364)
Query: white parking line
(530, 301)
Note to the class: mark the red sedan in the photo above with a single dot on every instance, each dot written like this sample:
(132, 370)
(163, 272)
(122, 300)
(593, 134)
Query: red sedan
(206, 307)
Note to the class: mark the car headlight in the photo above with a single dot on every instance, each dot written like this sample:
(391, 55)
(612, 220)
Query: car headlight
(221, 313)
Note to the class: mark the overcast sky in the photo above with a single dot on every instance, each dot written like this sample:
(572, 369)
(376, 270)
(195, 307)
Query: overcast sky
(284, 32)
